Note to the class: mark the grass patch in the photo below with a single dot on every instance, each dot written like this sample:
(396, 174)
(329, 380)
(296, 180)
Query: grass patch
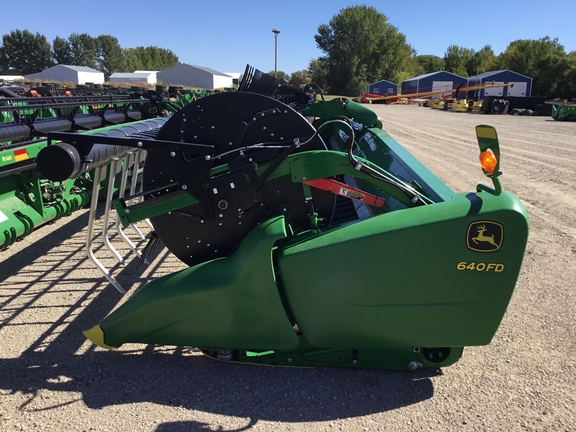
(330, 97)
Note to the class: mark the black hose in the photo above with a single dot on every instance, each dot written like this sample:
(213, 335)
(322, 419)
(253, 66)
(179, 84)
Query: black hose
(8, 93)
(316, 87)
(411, 194)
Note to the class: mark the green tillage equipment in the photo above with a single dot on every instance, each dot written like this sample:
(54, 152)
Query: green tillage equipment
(26, 119)
(27, 200)
(249, 194)
(26, 203)
(566, 112)
(175, 104)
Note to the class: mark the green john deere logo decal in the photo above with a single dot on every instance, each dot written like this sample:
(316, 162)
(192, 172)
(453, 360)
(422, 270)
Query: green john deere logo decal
(484, 236)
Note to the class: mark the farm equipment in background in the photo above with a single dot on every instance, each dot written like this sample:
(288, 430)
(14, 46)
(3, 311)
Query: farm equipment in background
(28, 200)
(437, 95)
(312, 237)
(516, 105)
(564, 112)
(447, 99)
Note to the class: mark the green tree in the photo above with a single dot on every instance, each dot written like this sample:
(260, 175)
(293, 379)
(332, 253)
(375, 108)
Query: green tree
(318, 70)
(132, 59)
(84, 50)
(282, 77)
(149, 58)
(430, 63)
(456, 58)
(544, 60)
(301, 77)
(165, 58)
(110, 55)
(24, 53)
(412, 67)
(482, 61)
(567, 88)
(61, 53)
(360, 47)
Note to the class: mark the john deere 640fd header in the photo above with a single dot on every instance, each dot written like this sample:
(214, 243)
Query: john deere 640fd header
(312, 237)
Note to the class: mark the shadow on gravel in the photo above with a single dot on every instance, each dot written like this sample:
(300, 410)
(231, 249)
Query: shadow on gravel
(196, 383)
(172, 376)
(192, 426)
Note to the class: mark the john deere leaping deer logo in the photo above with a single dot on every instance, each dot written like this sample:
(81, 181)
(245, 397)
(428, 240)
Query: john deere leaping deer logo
(484, 236)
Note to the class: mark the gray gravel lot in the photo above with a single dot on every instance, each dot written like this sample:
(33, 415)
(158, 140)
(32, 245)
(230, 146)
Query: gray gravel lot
(52, 379)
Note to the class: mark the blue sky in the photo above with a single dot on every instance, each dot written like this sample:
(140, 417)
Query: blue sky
(226, 35)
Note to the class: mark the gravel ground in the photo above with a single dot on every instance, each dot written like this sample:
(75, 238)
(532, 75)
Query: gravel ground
(52, 379)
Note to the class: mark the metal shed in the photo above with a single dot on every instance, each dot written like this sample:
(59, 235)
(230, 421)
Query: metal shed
(522, 84)
(433, 81)
(11, 78)
(134, 78)
(383, 87)
(67, 73)
(194, 76)
(152, 75)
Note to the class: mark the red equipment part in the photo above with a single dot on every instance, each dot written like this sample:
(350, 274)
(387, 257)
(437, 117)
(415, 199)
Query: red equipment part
(344, 190)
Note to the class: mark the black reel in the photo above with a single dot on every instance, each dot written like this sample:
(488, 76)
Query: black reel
(236, 201)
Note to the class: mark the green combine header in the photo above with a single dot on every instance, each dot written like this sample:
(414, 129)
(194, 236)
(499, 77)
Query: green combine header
(564, 112)
(311, 236)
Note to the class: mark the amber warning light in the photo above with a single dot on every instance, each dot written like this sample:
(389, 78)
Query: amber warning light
(488, 161)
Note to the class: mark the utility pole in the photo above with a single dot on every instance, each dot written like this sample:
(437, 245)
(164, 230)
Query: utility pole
(275, 52)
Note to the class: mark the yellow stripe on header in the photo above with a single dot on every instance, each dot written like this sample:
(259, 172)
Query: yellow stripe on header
(486, 132)
(20, 157)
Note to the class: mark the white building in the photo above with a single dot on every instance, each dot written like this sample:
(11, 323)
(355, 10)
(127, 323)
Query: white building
(72, 74)
(194, 76)
(236, 76)
(10, 78)
(141, 77)
(152, 78)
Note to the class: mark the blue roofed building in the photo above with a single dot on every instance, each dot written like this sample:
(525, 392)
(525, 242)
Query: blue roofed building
(520, 85)
(383, 88)
(432, 82)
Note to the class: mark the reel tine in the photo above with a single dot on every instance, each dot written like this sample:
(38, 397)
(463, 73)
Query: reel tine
(147, 221)
(98, 175)
(126, 167)
(140, 156)
(114, 169)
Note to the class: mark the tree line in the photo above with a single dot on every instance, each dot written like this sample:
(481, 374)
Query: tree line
(360, 47)
(23, 53)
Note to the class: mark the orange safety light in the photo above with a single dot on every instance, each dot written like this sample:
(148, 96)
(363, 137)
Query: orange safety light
(68, 93)
(488, 161)
(34, 93)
